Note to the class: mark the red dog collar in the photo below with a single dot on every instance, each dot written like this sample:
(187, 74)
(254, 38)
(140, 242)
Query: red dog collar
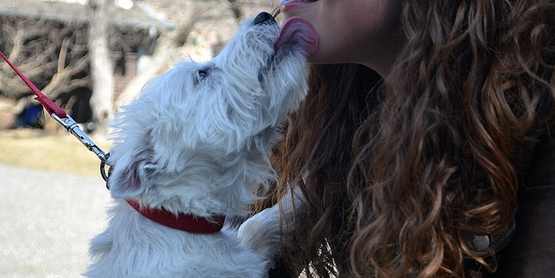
(184, 222)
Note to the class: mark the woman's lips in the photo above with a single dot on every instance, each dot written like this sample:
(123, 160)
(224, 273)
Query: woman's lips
(289, 5)
(283, 2)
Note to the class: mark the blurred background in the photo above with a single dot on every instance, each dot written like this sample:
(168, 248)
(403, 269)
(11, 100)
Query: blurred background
(91, 57)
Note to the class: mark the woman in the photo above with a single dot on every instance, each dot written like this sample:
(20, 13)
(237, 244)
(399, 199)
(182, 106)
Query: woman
(415, 146)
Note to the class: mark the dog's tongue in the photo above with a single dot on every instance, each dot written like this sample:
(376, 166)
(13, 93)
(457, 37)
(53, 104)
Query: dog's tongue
(298, 32)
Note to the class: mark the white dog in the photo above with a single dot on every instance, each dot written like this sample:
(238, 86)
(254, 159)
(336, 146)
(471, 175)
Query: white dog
(193, 149)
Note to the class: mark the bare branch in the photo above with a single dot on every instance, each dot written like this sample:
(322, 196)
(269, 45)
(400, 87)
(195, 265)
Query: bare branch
(17, 43)
(53, 55)
(63, 80)
(62, 55)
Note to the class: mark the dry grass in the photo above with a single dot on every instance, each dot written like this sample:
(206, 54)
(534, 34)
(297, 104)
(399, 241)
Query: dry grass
(52, 152)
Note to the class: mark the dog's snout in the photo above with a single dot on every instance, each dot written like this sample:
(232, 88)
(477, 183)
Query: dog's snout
(264, 18)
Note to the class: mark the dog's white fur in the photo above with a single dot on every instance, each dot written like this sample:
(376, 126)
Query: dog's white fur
(197, 141)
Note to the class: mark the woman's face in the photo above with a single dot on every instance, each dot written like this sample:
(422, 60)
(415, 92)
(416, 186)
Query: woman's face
(352, 31)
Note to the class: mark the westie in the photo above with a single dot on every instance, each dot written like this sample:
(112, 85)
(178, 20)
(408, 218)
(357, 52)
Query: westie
(192, 150)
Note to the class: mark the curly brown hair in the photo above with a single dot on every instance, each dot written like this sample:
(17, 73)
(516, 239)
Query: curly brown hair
(398, 171)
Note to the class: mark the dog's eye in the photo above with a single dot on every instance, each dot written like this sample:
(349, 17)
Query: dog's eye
(201, 74)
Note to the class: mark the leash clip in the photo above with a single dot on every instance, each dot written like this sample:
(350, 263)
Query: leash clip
(73, 128)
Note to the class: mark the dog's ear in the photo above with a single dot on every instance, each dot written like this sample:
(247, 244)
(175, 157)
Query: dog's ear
(130, 177)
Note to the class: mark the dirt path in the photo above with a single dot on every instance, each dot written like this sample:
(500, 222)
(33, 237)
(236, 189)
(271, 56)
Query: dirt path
(46, 222)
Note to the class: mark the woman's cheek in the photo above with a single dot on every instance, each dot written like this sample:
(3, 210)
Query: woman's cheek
(342, 29)
(350, 30)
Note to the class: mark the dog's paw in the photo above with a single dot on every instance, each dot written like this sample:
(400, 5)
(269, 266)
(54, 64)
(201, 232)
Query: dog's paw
(261, 233)
(255, 224)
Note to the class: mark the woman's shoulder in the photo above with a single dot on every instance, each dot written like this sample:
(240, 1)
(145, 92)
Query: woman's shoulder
(534, 158)
(532, 248)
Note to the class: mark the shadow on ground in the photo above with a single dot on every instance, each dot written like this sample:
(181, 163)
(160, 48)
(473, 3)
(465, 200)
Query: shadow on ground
(47, 220)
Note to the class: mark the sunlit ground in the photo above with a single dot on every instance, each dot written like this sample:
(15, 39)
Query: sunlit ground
(54, 152)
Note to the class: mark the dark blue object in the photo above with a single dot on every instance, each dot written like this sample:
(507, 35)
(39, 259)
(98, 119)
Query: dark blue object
(30, 117)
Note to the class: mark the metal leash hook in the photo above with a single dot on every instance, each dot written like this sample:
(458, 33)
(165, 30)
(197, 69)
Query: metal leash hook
(105, 174)
(73, 128)
(62, 118)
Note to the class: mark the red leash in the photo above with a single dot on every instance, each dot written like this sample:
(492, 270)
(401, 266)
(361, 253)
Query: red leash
(58, 114)
(50, 106)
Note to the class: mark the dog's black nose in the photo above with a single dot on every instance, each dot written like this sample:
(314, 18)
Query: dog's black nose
(263, 18)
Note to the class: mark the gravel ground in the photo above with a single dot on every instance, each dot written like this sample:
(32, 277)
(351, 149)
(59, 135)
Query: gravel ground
(46, 222)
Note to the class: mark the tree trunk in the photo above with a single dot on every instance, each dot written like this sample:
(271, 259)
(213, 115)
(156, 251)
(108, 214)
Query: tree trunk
(101, 64)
